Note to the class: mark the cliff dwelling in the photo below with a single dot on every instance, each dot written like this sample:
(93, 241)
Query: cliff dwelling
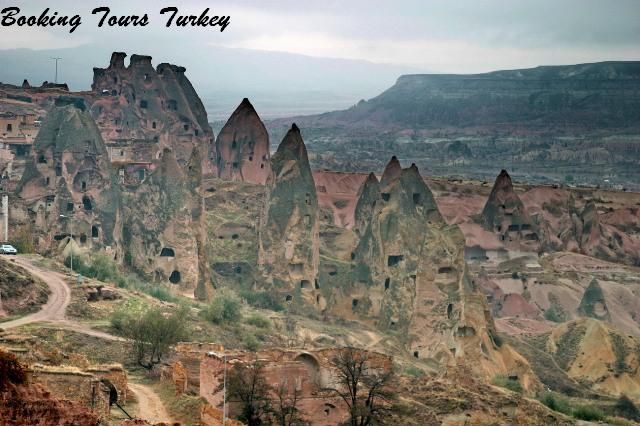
(174, 278)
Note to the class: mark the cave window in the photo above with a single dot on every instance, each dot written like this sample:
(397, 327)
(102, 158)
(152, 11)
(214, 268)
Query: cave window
(86, 202)
(445, 270)
(250, 158)
(69, 207)
(186, 127)
(317, 285)
(386, 196)
(394, 260)
(235, 236)
(416, 354)
(83, 185)
(46, 180)
(196, 132)
(121, 153)
(305, 284)
(114, 93)
(94, 232)
(235, 165)
(318, 299)
(238, 270)
(387, 283)
(233, 144)
(153, 125)
(42, 159)
(174, 278)
(354, 303)
(115, 80)
(141, 174)
(417, 198)
(353, 256)
(449, 310)
(307, 198)
(288, 298)
(83, 238)
(173, 104)
(333, 273)
(167, 252)
(262, 166)
(58, 170)
(9, 127)
(144, 104)
(501, 237)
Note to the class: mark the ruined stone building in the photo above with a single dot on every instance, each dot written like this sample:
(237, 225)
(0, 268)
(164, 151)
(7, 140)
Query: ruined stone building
(201, 367)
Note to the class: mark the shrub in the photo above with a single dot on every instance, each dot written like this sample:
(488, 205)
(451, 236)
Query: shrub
(507, 383)
(11, 371)
(250, 342)
(588, 413)
(225, 308)
(262, 300)
(626, 408)
(556, 403)
(152, 332)
(414, 371)
(259, 321)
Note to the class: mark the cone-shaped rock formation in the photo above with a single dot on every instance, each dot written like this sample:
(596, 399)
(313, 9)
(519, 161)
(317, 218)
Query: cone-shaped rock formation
(288, 241)
(242, 147)
(70, 175)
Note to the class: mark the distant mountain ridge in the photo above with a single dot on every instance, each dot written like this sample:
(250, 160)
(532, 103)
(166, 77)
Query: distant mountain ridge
(584, 96)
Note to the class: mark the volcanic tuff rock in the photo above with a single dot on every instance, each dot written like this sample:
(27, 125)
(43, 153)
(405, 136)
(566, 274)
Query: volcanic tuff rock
(141, 105)
(411, 274)
(288, 240)
(368, 197)
(163, 224)
(70, 175)
(242, 147)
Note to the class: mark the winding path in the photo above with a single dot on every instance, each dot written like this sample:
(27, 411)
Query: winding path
(150, 406)
(54, 310)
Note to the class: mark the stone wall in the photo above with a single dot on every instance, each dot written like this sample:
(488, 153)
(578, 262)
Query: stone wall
(75, 385)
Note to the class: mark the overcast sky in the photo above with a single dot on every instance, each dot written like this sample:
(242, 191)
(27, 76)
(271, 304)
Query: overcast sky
(445, 36)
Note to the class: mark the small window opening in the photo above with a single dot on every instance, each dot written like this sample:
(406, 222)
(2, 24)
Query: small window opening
(94, 232)
(354, 303)
(387, 283)
(416, 354)
(69, 207)
(386, 196)
(86, 202)
(167, 252)
(83, 185)
(288, 298)
(174, 278)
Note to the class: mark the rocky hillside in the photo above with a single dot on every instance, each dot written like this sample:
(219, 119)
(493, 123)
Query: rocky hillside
(20, 292)
(548, 120)
(585, 97)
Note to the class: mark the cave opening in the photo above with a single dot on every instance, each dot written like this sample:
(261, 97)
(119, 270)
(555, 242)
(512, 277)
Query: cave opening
(354, 303)
(167, 252)
(174, 278)
(387, 283)
(416, 354)
(449, 310)
(393, 260)
(417, 198)
(288, 298)
(305, 284)
(317, 284)
(86, 202)
(94, 231)
(386, 196)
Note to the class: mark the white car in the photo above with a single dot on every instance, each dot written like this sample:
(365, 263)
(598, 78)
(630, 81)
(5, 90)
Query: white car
(8, 249)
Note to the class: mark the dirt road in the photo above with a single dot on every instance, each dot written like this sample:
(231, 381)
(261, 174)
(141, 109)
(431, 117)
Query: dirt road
(57, 303)
(54, 310)
(150, 407)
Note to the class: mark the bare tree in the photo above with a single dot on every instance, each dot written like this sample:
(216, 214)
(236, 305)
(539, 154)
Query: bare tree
(286, 411)
(247, 385)
(365, 390)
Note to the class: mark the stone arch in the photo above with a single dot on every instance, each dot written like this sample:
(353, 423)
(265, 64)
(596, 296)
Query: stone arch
(113, 392)
(312, 365)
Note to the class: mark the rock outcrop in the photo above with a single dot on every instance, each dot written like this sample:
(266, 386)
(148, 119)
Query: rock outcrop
(411, 276)
(163, 231)
(288, 241)
(69, 187)
(141, 111)
(242, 147)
